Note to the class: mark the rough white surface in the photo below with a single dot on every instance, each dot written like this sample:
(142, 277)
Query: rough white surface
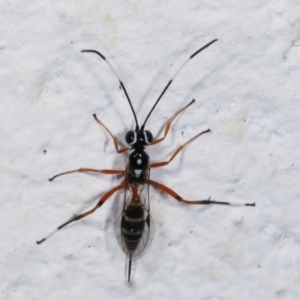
(247, 92)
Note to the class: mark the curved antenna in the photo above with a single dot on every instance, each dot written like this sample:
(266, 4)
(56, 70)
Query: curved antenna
(121, 83)
(169, 83)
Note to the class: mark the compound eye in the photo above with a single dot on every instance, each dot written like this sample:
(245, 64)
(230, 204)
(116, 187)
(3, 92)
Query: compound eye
(148, 137)
(130, 137)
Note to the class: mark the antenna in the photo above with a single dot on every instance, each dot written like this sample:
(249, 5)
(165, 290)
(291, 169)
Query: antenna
(121, 83)
(169, 83)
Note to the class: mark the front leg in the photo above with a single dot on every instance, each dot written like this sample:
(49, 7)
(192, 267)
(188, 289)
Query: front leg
(169, 123)
(115, 139)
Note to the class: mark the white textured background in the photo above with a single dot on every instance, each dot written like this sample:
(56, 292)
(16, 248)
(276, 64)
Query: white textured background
(247, 92)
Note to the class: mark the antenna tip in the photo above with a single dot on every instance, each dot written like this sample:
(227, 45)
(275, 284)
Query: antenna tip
(39, 242)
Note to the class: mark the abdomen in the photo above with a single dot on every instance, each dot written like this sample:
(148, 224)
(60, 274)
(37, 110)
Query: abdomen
(132, 226)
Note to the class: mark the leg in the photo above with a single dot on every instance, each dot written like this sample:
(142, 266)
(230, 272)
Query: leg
(164, 163)
(76, 218)
(177, 197)
(116, 143)
(169, 122)
(86, 170)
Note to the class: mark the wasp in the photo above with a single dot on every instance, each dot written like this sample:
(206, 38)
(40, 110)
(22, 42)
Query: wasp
(135, 226)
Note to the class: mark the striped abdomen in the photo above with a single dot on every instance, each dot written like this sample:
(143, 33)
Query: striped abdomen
(132, 226)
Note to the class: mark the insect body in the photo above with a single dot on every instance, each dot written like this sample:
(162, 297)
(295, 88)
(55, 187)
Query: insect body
(135, 230)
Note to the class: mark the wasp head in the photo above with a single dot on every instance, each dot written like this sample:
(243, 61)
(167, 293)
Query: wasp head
(138, 137)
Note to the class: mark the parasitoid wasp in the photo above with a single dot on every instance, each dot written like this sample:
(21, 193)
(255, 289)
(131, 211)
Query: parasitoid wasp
(135, 229)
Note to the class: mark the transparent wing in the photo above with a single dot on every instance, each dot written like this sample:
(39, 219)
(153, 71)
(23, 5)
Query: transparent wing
(149, 229)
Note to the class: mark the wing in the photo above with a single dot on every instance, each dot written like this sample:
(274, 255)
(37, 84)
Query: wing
(149, 229)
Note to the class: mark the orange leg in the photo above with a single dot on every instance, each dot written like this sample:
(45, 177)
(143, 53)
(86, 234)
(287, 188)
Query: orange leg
(116, 142)
(169, 122)
(76, 218)
(87, 170)
(164, 163)
(180, 199)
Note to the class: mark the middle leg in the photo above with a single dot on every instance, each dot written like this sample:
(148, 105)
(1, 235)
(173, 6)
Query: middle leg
(87, 170)
(164, 163)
